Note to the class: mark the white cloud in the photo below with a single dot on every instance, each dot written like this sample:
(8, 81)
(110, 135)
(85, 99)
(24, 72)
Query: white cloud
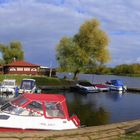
(40, 24)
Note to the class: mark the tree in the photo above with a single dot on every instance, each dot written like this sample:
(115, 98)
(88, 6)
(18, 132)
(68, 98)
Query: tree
(88, 48)
(11, 52)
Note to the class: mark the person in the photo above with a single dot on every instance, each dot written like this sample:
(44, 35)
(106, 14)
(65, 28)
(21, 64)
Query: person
(16, 91)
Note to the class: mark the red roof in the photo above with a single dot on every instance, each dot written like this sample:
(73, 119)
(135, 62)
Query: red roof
(22, 63)
(49, 97)
(45, 97)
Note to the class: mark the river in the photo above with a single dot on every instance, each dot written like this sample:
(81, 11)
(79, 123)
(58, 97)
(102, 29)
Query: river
(131, 82)
(104, 107)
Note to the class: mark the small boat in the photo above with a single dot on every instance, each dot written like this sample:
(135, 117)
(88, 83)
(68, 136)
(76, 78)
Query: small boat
(117, 85)
(37, 112)
(8, 87)
(28, 86)
(85, 87)
(102, 87)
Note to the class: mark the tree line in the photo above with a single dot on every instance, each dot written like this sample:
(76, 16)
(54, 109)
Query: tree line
(123, 69)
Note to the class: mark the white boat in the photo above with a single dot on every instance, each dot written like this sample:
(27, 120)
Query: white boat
(8, 87)
(86, 87)
(37, 112)
(117, 85)
(28, 86)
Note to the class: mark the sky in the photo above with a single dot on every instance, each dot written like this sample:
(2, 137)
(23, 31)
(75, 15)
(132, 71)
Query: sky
(40, 24)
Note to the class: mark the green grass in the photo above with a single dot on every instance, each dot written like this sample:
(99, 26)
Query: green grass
(40, 80)
(130, 137)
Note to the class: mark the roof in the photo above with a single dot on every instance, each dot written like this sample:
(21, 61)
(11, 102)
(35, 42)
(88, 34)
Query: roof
(22, 63)
(45, 97)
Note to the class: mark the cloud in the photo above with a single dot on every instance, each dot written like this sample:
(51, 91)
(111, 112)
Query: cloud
(40, 24)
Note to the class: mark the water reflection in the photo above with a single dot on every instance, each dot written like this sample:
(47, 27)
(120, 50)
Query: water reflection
(115, 95)
(101, 108)
(87, 110)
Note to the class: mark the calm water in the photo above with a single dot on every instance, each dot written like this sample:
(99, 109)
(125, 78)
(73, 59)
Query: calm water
(107, 107)
(101, 108)
(131, 82)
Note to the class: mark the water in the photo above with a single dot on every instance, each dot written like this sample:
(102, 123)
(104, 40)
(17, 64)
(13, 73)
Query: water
(100, 108)
(104, 108)
(131, 82)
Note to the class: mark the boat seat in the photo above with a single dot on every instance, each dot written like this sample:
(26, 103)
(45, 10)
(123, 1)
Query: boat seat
(52, 113)
(25, 113)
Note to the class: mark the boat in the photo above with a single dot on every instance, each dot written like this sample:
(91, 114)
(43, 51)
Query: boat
(37, 112)
(117, 85)
(102, 87)
(85, 87)
(28, 86)
(8, 87)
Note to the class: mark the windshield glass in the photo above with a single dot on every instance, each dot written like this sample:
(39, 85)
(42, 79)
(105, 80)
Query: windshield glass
(27, 85)
(8, 83)
(54, 109)
(20, 100)
(11, 109)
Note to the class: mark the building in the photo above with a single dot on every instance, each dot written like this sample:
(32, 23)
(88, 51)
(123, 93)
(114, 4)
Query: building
(21, 67)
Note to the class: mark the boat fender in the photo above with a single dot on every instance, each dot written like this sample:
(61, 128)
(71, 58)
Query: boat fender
(75, 120)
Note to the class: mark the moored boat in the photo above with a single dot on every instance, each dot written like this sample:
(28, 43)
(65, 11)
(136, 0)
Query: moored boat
(117, 85)
(28, 86)
(37, 112)
(85, 87)
(102, 87)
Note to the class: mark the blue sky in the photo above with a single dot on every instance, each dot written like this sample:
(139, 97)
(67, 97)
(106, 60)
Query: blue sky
(40, 24)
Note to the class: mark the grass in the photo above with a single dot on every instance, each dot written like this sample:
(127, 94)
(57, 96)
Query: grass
(130, 137)
(40, 80)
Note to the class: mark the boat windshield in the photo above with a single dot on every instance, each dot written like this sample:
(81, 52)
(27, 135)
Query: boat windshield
(54, 109)
(8, 83)
(28, 85)
(11, 109)
(14, 110)
(85, 84)
(20, 100)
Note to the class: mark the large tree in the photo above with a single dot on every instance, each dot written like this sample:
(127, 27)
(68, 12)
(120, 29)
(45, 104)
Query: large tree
(88, 48)
(12, 52)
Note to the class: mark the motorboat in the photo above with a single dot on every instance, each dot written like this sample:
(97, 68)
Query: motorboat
(37, 112)
(85, 87)
(117, 85)
(102, 87)
(28, 86)
(8, 87)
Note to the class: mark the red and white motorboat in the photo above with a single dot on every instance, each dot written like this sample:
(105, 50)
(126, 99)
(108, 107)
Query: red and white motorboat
(37, 112)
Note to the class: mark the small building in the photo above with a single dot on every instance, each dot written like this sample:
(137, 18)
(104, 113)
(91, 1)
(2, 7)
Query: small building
(21, 67)
(51, 72)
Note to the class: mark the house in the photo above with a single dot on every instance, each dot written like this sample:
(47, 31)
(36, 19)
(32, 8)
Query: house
(24, 67)
(21, 67)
